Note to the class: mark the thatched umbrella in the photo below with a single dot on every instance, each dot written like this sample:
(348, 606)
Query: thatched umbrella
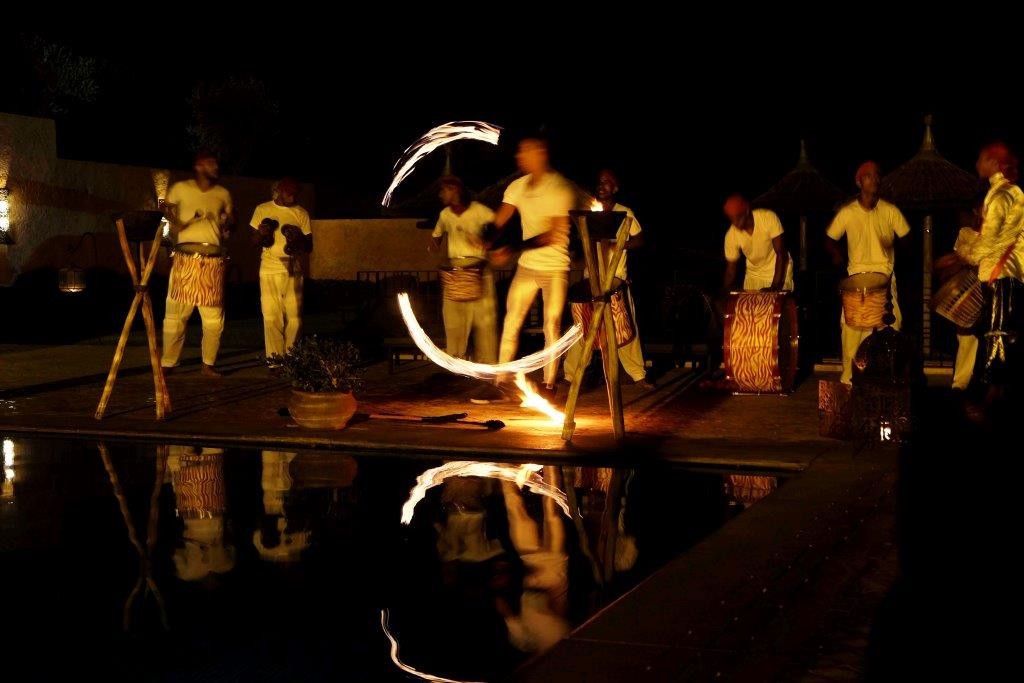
(929, 182)
(801, 191)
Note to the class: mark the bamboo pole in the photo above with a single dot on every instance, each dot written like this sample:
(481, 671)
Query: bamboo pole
(145, 583)
(141, 298)
(596, 288)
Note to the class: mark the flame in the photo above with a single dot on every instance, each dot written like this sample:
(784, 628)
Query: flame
(438, 137)
(596, 206)
(8, 453)
(521, 475)
(534, 361)
(533, 400)
(405, 667)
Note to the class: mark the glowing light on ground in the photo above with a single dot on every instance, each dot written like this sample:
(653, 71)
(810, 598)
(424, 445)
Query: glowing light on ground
(534, 401)
(522, 475)
(534, 361)
(438, 137)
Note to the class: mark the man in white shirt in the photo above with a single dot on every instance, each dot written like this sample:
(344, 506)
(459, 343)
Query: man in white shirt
(871, 226)
(464, 223)
(631, 355)
(281, 227)
(757, 235)
(200, 211)
(543, 199)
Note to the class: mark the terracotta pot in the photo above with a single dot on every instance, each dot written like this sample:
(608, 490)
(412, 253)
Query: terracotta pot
(322, 410)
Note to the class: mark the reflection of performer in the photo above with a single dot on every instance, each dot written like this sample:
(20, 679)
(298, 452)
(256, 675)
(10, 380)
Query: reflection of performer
(871, 226)
(631, 355)
(274, 541)
(999, 254)
(199, 211)
(543, 199)
(464, 222)
(541, 621)
(463, 536)
(757, 235)
(197, 476)
(281, 227)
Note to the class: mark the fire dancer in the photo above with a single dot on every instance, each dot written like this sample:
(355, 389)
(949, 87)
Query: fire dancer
(543, 199)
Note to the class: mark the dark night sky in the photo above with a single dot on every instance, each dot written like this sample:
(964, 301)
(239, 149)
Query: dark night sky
(685, 125)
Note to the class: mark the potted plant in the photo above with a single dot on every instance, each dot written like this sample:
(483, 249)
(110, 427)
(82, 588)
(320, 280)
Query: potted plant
(323, 372)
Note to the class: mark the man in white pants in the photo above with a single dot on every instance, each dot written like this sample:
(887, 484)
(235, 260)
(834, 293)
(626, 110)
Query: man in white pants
(198, 211)
(631, 355)
(543, 199)
(871, 226)
(282, 228)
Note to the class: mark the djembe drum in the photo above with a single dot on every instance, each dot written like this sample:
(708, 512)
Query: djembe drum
(960, 299)
(864, 297)
(761, 340)
(582, 306)
(462, 279)
(197, 274)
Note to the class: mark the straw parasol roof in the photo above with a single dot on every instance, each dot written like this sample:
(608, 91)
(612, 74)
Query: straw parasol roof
(928, 181)
(802, 190)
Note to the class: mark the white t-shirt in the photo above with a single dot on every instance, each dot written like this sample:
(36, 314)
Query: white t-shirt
(464, 230)
(551, 197)
(869, 235)
(634, 230)
(192, 201)
(274, 259)
(756, 246)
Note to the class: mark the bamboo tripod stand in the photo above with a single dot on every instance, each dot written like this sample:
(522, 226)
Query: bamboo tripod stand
(601, 272)
(142, 299)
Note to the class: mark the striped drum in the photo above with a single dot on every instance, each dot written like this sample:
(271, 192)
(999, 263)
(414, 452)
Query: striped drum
(582, 306)
(197, 274)
(761, 341)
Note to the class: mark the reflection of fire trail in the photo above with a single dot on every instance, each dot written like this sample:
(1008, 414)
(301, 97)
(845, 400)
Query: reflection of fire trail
(405, 667)
(437, 137)
(522, 475)
(534, 361)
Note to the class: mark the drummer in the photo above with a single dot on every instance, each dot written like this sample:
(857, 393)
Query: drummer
(198, 211)
(281, 227)
(870, 225)
(464, 222)
(631, 355)
(757, 235)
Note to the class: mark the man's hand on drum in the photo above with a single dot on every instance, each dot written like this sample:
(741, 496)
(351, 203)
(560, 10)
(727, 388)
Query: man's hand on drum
(948, 265)
(773, 288)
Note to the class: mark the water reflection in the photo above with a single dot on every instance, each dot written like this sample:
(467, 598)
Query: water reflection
(281, 561)
(540, 621)
(145, 585)
(197, 476)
